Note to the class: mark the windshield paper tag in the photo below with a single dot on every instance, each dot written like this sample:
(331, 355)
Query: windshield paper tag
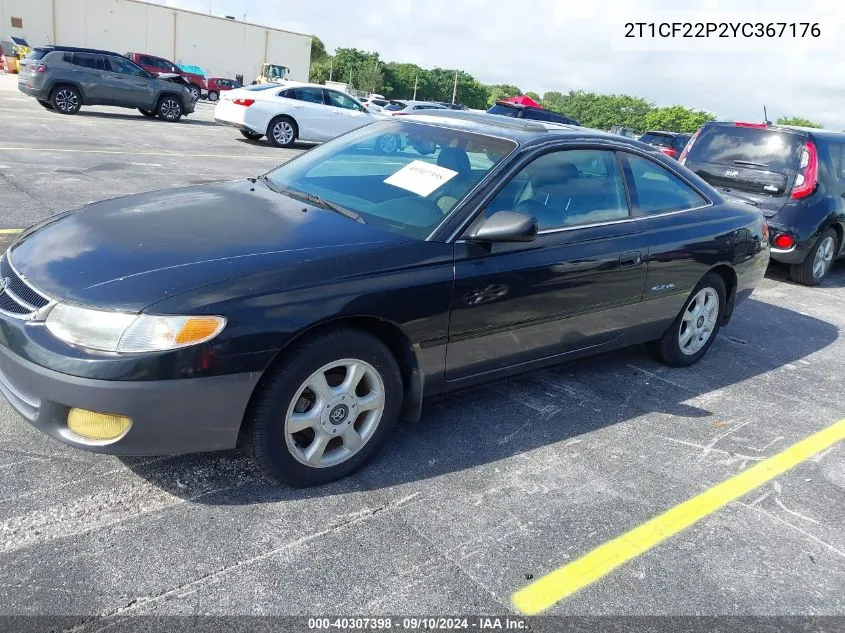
(420, 177)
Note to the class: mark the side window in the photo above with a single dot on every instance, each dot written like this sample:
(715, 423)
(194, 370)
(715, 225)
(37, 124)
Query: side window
(87, 60)
(657, 190)
(567, 188)
(146, 60)
(339, 100)
(311, 95)
(124, 67)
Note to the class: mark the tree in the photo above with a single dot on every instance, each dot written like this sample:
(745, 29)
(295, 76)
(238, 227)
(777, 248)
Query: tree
(497, 92)
(797, 120)
(677, 118)
(369, 77)
(399, 80)
(318, 49)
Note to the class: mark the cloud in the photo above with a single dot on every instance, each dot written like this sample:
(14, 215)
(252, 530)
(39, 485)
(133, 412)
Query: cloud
(544, 45)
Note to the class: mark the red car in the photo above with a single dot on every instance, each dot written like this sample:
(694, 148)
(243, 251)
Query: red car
(157, 65)
(216, 85)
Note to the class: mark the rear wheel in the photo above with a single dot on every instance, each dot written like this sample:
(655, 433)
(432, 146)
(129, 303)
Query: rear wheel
(66, 100)
(282, 132)
(693, 331)
(325, 411)
(252, 136)
(147, 113)
(212, 96)
(169, 108)
(819, 260)
(45, 104)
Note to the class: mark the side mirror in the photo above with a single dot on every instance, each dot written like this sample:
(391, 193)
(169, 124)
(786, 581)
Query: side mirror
(506, 226)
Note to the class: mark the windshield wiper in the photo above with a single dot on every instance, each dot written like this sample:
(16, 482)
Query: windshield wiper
(750, 163)
(317, 201)
(270, 184)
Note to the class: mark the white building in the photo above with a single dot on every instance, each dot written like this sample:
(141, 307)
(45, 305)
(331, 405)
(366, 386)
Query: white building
(222, 47)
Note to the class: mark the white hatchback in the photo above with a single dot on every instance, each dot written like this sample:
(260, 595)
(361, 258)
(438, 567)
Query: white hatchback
(289, 112)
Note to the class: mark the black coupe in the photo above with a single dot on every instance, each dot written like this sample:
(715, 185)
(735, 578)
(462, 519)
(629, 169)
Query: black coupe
(299, 315)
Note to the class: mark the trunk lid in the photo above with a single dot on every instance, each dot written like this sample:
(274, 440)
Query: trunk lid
(756, 163)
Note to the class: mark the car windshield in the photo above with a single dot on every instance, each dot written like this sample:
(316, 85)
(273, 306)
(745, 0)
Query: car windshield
(499, 108)
(263, 86)
(403, 176)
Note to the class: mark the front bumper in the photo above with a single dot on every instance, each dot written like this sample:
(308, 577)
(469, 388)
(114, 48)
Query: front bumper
(169, 417)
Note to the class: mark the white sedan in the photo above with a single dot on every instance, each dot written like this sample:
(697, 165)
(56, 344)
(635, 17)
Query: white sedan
(289, 112)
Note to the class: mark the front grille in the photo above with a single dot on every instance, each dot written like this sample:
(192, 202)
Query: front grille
(17, 297)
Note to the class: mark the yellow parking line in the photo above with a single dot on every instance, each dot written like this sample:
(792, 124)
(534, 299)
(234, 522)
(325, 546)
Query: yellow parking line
(557, 585)
(9, 231)
(115, 151)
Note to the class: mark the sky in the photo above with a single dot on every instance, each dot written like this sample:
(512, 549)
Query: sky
(543, 45)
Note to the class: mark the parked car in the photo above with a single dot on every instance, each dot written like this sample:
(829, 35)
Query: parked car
(216, 85)
(157, 65)
(374, 104)
(795, 175)
(452, 106)
(670, 143)
(349, 285)
(291, 112)
(64, 79)
(404, 107)
(521, 111)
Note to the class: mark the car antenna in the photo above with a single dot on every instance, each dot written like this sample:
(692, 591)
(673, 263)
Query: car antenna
(766, 117)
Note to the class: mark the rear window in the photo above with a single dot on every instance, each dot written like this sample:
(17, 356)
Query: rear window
(504, 110)
(771, 150)
(38, 53)
(394, 106)
(262, 86)
(664, 140)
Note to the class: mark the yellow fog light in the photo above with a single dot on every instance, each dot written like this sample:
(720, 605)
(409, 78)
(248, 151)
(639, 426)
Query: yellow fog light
(97, 426)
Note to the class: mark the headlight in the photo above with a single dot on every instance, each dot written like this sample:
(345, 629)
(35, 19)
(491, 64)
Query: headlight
(124, 332)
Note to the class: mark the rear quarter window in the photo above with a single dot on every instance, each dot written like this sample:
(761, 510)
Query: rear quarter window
(37, 54)
(658, 190)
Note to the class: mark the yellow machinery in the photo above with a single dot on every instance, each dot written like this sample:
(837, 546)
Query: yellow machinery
(20, 49)
(271, 73)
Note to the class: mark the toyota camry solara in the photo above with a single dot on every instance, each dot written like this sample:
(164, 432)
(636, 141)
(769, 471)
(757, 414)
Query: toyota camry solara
(301, 314)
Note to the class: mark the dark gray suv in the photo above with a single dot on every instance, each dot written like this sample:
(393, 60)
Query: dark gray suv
(64, 79)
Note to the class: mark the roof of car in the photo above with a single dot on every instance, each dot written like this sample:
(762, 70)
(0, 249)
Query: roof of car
(74, 49)
(830, 135)
(519, 130)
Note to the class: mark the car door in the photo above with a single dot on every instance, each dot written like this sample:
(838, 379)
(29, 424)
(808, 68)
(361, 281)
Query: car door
(575, 286)
(310, 112)
(130, 85)
(347, 114)
(90, 72)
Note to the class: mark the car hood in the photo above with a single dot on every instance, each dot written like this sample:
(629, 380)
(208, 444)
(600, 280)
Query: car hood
(130, 252)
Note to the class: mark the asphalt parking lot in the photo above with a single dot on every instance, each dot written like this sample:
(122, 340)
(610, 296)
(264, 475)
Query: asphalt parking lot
(496, 487)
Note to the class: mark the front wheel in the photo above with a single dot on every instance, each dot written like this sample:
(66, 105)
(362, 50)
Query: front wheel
(212, 96)
(694, 329)
(169, 109)
(325, 411)
(195, 92)
(282, 132)
(819, 260)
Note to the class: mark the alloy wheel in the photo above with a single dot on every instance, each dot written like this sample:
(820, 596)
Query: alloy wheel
(170, 110)
(823, 258)
(283, 133)
(699, 321)
(67, 100)
(334, 413)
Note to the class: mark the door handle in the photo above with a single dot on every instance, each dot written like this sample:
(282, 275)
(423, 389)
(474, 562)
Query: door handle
(629, 260)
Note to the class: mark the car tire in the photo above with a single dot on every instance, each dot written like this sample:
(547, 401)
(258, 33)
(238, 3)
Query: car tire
(169, 108)
(696, 326)
(252, 136)
(195, 92)
(341, 436)
(45, 104)
(147, 113)
(818, 262)
(66, 100)
(282, 131)
(212, 96)
(387, 144)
